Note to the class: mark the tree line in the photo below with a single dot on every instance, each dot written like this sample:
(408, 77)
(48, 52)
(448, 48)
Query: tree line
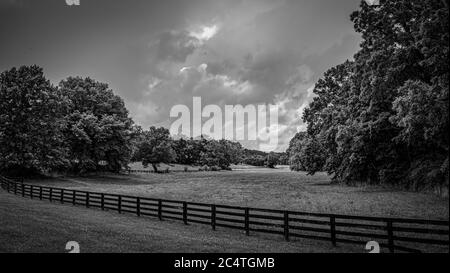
(156, 146)
(78, 126)
(81, 126)
(383, 118)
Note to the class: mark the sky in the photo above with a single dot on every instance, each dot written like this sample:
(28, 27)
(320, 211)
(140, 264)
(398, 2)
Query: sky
(157, 54)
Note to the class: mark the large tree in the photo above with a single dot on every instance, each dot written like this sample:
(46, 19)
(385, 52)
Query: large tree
(384, 117)
(30, 122)
(99, 130)
(155, 148)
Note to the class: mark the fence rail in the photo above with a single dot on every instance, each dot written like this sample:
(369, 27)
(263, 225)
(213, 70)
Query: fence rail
(394, 234)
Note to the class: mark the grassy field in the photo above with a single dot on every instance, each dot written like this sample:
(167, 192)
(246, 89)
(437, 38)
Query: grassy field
(266, 188)
(46, 227)
(36, 226)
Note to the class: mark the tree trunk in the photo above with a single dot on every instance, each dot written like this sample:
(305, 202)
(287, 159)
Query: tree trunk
(155, 168)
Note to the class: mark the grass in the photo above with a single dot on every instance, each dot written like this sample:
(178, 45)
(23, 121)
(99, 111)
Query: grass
(37, 226)
(266, 188)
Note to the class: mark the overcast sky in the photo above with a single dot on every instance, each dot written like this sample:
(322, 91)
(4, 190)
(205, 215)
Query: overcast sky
(156, 54)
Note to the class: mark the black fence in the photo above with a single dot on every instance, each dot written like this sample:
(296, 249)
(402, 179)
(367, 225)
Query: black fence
(393, 234)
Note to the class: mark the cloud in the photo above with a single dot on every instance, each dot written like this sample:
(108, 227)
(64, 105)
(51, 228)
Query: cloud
(161, 94)
(174, 46)
(156, 54)
(205, 33)
(269, 53)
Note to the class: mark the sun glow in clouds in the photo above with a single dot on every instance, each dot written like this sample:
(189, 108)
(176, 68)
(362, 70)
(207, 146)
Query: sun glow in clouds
(205, 33)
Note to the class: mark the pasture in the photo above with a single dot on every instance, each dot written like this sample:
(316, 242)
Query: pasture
(45, 227)
(106, 231)
(265, 188)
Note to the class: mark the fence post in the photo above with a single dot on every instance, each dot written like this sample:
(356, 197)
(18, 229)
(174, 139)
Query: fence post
(74, 198)
(40, 192)
(87, 199)
(138, 206)
(246, 221)
(15, 188)
(185, 213)
(213, 217)
(102, 201)
(390, 236)
(160, 209)
(333, 229)
(51, 194)
(119, 203)
(31, 191)
(7, 186)
(286, 226)
(62, 196)
(23, 190)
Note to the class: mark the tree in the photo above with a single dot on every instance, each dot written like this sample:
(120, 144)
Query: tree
(156, 148)
(30, 123)
(180, 148)
(271, 160)
(306, 154)
(255, 160)
(194, 148)
(384, 117)
(215, 153)
(404, 42)
(254, 157)
(283, 159)
(325, 116)
(188, 151)
(209, 152)
(99, 131)
(233, 151)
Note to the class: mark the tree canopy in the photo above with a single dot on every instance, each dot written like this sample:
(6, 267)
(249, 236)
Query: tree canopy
(30, 122)
(98, 130)
(383, 118)
(155, 148)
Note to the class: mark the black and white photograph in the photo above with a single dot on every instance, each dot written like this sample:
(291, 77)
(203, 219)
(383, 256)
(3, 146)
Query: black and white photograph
(218, 133)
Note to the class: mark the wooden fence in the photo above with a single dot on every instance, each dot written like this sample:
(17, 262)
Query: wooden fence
(394, 234)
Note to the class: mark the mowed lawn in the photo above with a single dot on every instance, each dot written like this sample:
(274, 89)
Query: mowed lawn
(37, 226)
(266, 188)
